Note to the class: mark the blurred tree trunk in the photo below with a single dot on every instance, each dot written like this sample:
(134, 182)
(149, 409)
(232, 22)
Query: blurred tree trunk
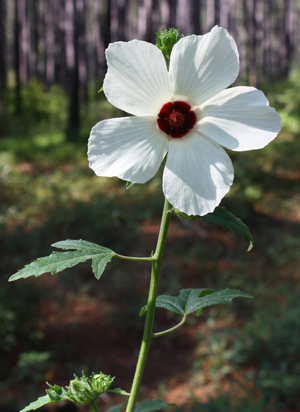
(114, 24)
(188, 16)
(210, 14)
(3, 48)
(291, 28)
(154, 20)
(281, 18)
(71, 30)
(267, 29)
(123, 19)
(196, 17)
(233, 14)
(224, 10)
(144, 23)
(80, 44)
(61, 60)
(98, 67)
(22, 47)
(49, 43)
(18, 103)
(168, 13)
(259, 37)
(106, 23)
(34, 53)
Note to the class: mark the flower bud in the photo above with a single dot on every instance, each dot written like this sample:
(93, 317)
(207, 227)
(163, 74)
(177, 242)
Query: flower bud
(80, 390)
(101, 382)
(166, 40)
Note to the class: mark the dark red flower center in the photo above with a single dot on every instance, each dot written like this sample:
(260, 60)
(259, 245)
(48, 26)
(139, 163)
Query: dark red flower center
(176, 119)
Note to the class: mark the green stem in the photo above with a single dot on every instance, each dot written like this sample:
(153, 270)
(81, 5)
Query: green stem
(148, 334)
(144, 259)
(94, 406)
(165, 332)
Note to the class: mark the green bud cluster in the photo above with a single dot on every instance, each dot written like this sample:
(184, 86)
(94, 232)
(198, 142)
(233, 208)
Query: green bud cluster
(82, 390)
(165, 41)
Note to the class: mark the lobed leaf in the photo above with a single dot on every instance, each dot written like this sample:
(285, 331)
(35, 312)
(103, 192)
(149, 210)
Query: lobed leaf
(180, 303)
(196, 300)
(58, 261)
(224, 218)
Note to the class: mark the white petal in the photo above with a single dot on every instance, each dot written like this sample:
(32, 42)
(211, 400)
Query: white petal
(197, 175)
(130, 148)
(240, 119)
(202, 66)
(137, 80)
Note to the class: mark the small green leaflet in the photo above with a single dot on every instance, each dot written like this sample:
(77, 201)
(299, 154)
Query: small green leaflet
(224, 218)
(54, 394)
(150, 406)
(196, 300)
(43, 400)
(129, 185)
(58, 261)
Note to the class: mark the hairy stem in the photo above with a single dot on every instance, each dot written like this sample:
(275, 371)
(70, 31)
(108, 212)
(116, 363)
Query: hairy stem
(148, 333)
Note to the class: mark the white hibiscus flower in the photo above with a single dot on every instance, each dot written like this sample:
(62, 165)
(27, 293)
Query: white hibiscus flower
(185, 112)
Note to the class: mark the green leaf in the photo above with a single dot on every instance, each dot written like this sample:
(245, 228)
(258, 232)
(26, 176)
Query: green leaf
(115, 408)
(180, 303)
(224, 218)
(101, 90)
(129, 185)
(80, 244)
(150, 406)
(54, 394)
(195, 300)
(43, 400)
(59, 261)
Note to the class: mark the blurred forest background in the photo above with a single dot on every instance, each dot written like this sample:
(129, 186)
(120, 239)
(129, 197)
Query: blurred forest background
(245, 357)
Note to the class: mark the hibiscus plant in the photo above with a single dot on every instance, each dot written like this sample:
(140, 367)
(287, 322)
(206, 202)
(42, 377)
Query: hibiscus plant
(183, 112)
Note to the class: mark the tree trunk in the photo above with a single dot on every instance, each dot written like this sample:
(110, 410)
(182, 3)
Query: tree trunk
(144, 27)
(80, 44)
(49, 43)
(210, 15)
(23, 40)
(224, 10)
(188, 16)
(3, 48)
(114, 24)
(168, 13)
(98, 63)
(72, 68)
(105, 25)
(18, 103)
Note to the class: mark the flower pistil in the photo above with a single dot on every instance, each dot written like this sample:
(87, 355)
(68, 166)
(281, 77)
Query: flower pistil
(176, 119)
